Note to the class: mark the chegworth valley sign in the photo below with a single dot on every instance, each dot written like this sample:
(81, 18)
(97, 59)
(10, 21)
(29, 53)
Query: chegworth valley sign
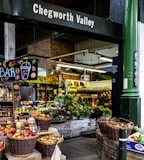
(56, 16)
(68, 16)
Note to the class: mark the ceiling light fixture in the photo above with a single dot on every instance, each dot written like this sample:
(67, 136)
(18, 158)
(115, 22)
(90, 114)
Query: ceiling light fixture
(105, 59)
(80, 67)
(103, 65)
(70, 66)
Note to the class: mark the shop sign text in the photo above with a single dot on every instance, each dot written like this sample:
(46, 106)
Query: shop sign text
(68, 16)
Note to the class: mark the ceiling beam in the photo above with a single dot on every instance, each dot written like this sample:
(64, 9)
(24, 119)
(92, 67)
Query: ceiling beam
(69, 54)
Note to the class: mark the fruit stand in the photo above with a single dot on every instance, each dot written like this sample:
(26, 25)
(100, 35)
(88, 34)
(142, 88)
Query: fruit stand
(25, 119)
(20, 127)
(14, 143)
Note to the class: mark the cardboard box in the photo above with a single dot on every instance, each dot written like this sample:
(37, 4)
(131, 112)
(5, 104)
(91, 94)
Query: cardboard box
(134, 156)
(133, 145)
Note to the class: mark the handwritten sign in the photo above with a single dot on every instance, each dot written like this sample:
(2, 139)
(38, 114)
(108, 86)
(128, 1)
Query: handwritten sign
(24, 69)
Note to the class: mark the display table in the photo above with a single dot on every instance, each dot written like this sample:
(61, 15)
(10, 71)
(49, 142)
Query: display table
(62, 157)
(51, 130)
(76, 127)
(35, 156)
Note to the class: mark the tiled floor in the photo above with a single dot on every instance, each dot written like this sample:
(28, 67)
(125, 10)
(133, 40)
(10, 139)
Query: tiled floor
(80, 148)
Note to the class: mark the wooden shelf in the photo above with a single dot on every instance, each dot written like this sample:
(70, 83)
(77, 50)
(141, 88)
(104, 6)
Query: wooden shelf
(3, 120)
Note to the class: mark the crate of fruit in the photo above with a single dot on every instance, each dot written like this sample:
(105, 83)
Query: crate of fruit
(22, 142)
(135, 142)
(46, 144)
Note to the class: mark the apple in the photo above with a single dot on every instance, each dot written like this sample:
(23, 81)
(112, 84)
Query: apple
(33, 133)
(47, 116)
(13, 131)
(22, 133)
(1, 144)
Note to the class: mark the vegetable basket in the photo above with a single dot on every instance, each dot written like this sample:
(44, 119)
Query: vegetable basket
(114, 126)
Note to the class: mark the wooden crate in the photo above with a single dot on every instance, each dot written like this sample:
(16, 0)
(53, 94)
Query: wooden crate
(99, 142)
(111, 147)
(99, 135)
(134, 156)
(107, 156)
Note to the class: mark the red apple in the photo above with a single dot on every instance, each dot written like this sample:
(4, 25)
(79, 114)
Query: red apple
(1, 144)
(33, 133)
(13, 131)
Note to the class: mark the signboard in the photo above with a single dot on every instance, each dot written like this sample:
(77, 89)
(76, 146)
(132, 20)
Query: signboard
(61, 17)
(24, 69)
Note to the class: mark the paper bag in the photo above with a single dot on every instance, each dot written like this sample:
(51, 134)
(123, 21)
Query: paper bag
(56, 154)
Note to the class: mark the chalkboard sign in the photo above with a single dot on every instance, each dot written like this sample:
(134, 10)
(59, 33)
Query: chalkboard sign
(24, 69)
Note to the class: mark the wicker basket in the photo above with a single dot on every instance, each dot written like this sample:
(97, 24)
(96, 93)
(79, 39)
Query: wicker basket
(102, 121)
(43, 123)
(47, 149)
(114, 126)
(22, 147)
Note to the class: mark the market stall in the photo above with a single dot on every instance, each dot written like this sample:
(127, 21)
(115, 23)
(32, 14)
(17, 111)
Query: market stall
(19, 127)
(32, 104)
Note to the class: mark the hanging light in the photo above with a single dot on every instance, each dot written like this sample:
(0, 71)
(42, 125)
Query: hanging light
(105, 59)
(79, 67)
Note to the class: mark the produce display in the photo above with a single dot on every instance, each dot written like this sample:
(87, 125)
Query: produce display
(21, 133)
(137, 137)
(22, 113)
(50, 139)
(5, 128)
(46, 144)
(74, 106)
(44, 113)
(35, 112)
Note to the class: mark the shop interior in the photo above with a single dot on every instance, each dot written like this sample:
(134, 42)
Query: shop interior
(84, 73)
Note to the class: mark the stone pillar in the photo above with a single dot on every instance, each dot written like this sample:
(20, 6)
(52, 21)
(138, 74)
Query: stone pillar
(9, 37)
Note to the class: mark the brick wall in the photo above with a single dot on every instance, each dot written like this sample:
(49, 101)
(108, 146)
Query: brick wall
(49, 48)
